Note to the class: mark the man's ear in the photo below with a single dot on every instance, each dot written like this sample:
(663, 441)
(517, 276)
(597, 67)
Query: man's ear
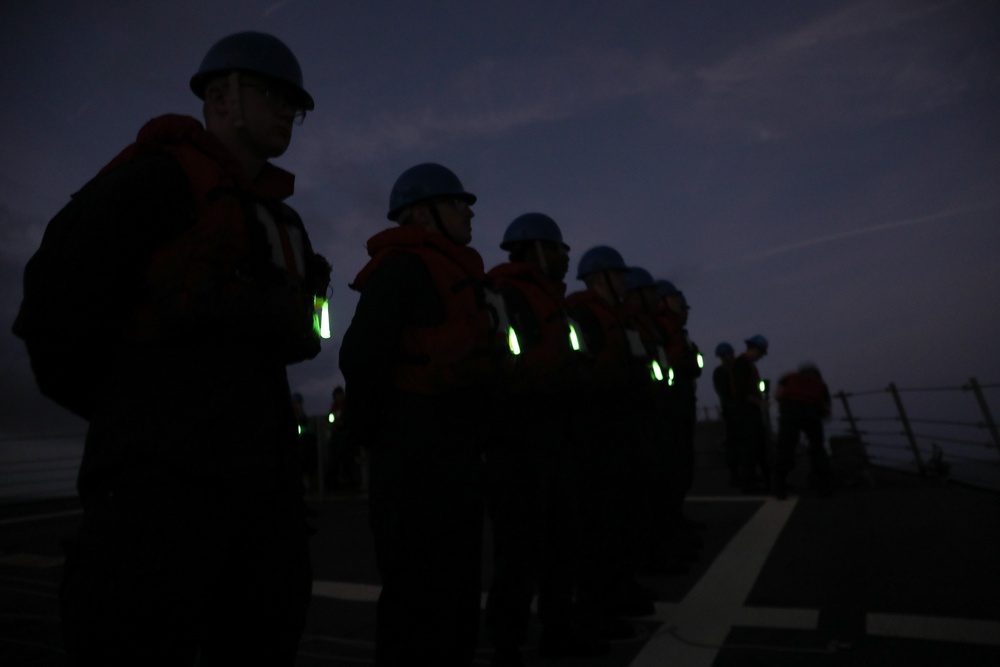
(420, 215)
(219, 98)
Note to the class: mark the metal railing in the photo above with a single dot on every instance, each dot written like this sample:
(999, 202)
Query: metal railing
(902, 427)
(42, 466)
(947, 431)
(899, 427)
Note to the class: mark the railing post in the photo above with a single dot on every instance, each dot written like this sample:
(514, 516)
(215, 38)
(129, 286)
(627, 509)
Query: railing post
(987, 415)
(906, 429)
(850, 416)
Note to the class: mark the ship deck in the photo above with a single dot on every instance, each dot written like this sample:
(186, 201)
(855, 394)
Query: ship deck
(891, 570)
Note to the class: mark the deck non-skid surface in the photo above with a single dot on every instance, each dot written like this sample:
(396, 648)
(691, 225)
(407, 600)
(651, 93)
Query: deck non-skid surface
(899, 573)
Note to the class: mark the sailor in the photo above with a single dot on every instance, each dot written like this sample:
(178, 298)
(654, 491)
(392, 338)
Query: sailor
(803, 404)
(190, 284)
(686, 362)
(531, 467)
(608, 433)
(419, 360)
(750, 416)
(723, 390)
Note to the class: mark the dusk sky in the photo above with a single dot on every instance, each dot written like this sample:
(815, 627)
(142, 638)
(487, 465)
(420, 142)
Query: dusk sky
(825, 173)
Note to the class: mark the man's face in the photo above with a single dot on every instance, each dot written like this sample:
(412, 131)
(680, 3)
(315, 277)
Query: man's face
(268, 114)
(456, 218)
(556, 260)
(616, 279)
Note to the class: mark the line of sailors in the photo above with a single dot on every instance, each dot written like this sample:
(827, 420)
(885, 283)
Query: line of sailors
(569, 420)
(803, 405)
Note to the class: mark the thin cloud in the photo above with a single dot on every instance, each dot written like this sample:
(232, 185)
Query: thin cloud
(866, 61)
(276, 7)
(885, 226)
(495, 97)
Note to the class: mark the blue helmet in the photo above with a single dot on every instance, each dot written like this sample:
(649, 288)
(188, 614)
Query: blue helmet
(757, 341)
(422, 182)
(723, 348)
(255, 52)
(638, 278)
(532, 227)
(666, 288)
(600, 258)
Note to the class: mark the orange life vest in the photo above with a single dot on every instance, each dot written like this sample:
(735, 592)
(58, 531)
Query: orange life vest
(459, 352)
(543, 363)
(681, 351)
(803, 386)
(216, 248)
(621, 362)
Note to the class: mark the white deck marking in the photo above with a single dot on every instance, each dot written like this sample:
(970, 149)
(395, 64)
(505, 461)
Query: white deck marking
(750, 617)
(367, 592)
(715, 604)
(725, 499)
(349, 592)
(38, 517)
(31, 560)
(695, 629)
(935, 628)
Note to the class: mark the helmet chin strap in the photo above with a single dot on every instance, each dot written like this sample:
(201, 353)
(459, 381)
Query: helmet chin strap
(234, 88)
(647, 305)
(611, 288)
(541, 257)
(439, 223)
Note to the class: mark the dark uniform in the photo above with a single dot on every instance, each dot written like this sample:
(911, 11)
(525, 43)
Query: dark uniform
(191, 479)
(749, 418)
(722, 383)
(531, 467)
(608, 428)
(686, 362)
(417, 361)
(679, 541)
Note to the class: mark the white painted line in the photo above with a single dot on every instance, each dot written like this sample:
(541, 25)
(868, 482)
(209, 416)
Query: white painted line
(360, 592)
(725, 499)
(935, 628)
(349, 592)
(38, 517)
(776, 617)
(31, 560)
(749, 617)
(715, 604)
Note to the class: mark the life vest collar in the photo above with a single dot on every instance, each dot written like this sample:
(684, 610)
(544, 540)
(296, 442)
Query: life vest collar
(175, 132)
(412, 237)
(526, 272)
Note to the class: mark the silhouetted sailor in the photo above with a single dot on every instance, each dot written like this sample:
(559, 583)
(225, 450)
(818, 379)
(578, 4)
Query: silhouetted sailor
(419, 360)
(531, 465)
(185, 286)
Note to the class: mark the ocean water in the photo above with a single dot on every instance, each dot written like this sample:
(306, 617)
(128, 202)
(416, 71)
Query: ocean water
(39, 467)
(45, 466)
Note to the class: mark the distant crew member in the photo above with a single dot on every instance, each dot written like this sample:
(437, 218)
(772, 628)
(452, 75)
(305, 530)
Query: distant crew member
(722, 383)
(803, 404)
(749, 416)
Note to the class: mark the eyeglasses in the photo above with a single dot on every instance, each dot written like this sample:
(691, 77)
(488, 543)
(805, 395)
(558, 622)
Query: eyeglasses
(461, 205)
(278, 99)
